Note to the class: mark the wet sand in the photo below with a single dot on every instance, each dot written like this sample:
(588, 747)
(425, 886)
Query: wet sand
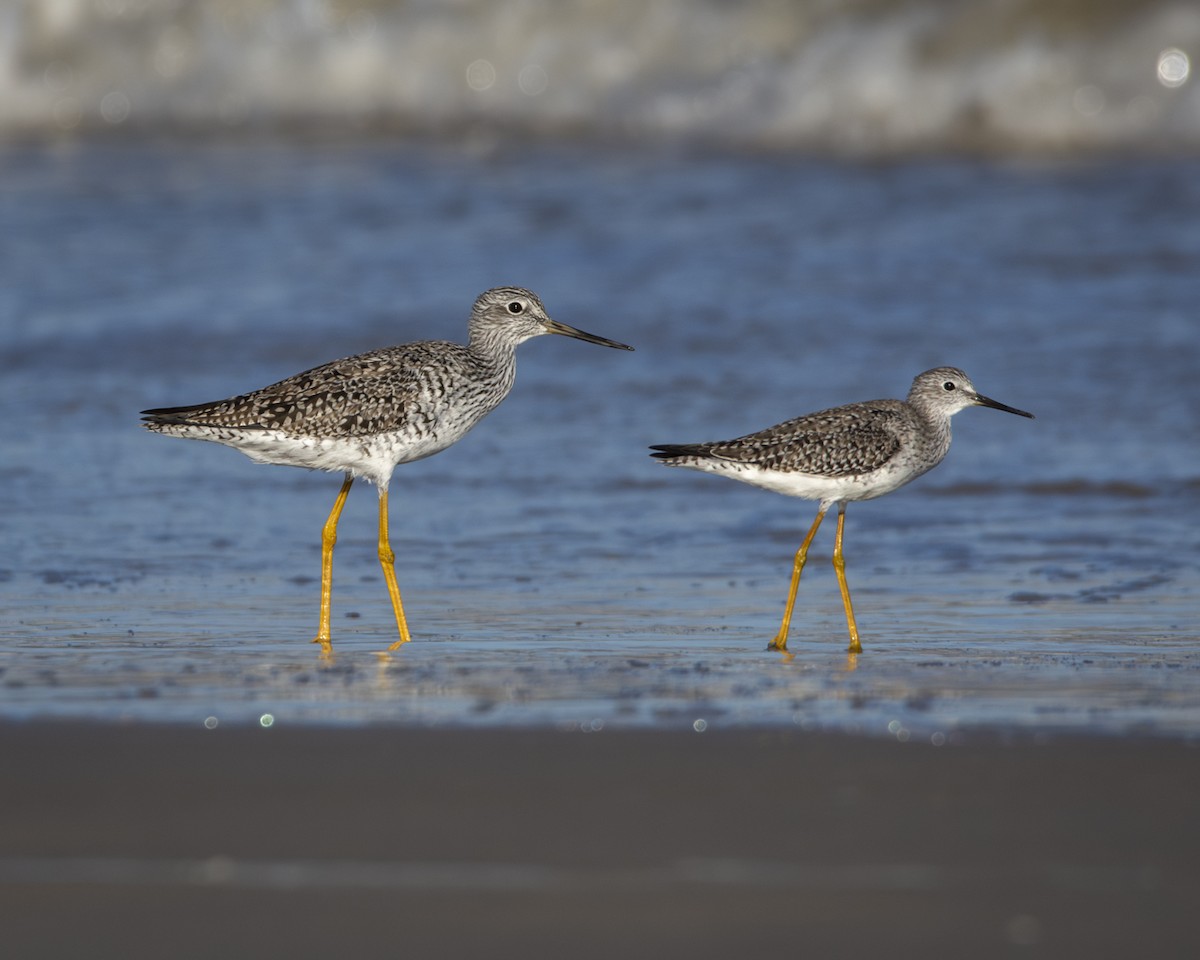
(1040, 582)
(151, 840)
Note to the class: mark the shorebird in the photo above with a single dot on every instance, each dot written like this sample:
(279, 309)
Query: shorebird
(364, 415)
(854, 452)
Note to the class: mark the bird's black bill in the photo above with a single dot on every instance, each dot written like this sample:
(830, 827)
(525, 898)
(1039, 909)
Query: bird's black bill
(997, 405)
(554, 326)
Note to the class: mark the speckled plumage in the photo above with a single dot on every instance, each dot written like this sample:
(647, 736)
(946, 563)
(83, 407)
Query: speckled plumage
(365, 414)
(361, 415)
(854, 452)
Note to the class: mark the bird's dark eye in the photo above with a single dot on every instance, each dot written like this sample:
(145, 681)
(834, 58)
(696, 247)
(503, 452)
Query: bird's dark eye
(516, 306)
(948, 385)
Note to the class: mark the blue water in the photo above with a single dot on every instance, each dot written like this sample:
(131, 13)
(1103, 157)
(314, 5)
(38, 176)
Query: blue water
(1044, 577)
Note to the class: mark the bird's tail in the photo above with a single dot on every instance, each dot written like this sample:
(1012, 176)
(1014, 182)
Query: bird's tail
(677, 451)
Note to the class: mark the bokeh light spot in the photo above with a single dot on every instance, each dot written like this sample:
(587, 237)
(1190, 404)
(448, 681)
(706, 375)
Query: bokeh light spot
(481, 75)
(115, 106)
(1173, 67)
(532, 80)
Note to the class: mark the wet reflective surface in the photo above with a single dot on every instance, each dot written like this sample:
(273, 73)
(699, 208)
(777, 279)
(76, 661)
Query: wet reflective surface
(1044, 577)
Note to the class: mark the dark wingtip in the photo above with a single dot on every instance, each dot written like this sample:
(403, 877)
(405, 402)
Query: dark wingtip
(179, 417)
(670, 451)
(155, 412)
(163, 415)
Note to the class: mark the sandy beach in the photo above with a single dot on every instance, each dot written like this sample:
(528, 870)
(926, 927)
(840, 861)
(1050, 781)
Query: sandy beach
(151, 841)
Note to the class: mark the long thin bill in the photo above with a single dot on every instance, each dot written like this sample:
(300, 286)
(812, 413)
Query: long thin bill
(997, 405)
(553, 326)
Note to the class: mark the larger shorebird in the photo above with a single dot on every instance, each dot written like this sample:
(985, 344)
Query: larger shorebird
(363, 415)
(855, 452)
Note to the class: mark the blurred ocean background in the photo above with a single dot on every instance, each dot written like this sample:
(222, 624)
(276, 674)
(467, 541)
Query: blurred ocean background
(859, 76)
(782, 205)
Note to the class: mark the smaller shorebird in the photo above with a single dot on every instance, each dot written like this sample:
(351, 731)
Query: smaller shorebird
(363, 415)
(855, 452)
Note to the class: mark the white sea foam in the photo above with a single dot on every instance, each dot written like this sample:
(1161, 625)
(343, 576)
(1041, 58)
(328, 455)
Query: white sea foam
(857, 75)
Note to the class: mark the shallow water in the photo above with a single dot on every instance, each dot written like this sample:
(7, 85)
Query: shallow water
(1045, 577)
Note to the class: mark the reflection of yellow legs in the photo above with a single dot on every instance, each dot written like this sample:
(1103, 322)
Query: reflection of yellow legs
(328, 539)
(387, 560)
(780, 641)
(839, 566)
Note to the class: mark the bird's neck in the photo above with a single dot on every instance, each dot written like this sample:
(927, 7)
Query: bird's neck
(491, 346)
(938, 437)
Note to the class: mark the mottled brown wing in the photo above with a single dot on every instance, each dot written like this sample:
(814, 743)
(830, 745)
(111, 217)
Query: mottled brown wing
(356, 395)
(832, 443)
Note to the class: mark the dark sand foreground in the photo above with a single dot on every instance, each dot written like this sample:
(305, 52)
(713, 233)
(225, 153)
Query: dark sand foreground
(146, 841)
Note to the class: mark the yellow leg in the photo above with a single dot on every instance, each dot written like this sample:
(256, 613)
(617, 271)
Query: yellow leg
(780, 641)
(328, 539)
(839, 566)
(387, 560)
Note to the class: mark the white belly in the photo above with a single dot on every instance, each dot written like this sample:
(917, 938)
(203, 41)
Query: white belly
(807, 486)
(371, 458)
